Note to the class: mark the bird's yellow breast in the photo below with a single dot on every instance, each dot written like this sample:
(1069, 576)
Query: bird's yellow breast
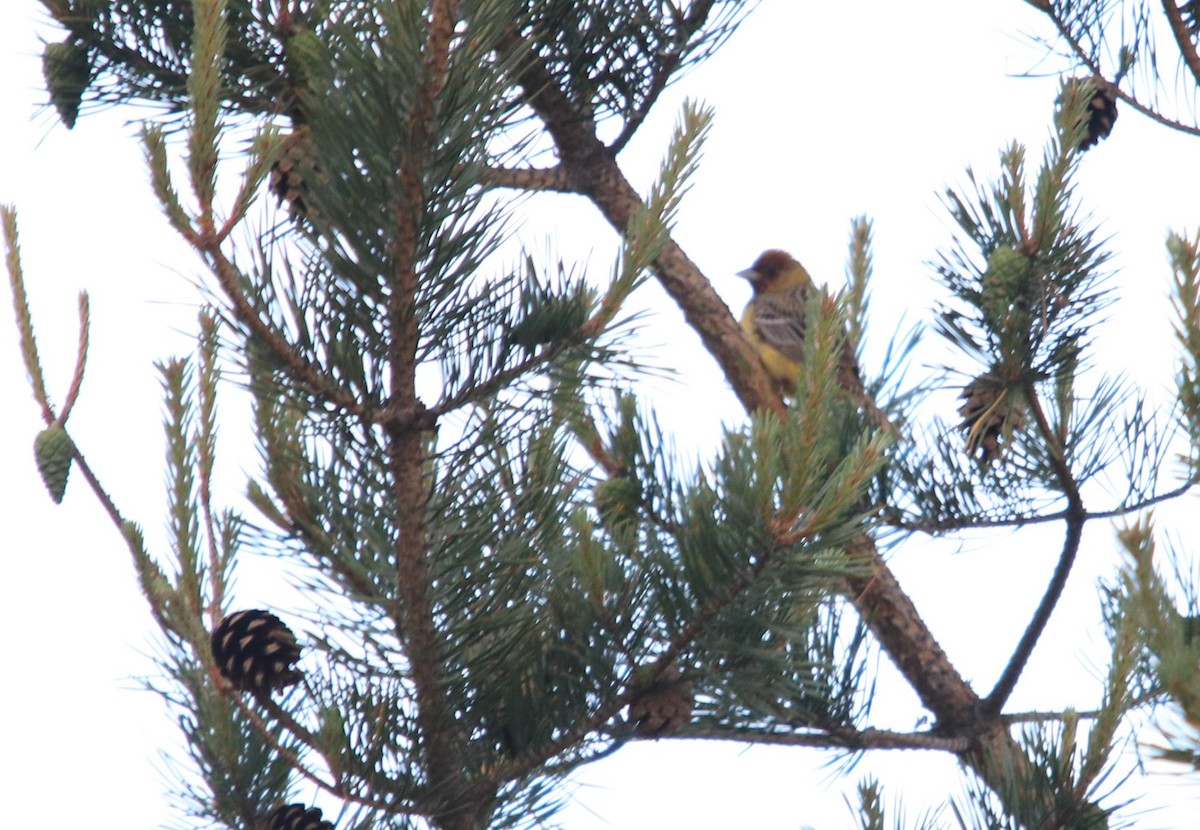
(782, 369)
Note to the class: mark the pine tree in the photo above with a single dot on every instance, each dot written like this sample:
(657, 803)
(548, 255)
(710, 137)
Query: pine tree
(512, 574)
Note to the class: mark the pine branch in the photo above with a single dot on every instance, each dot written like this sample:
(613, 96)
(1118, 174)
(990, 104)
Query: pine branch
(853, 739)
(1087, 714)
(897, 624)
(554, 179)
(297, 520)
(981, 523)
(417, 628)
(1183, 38)
(1076, 516)
(207, 240)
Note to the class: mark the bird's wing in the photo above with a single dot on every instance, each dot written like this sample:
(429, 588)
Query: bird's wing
(779, 320)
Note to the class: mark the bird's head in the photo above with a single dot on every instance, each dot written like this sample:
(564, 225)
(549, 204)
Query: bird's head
(775, 270)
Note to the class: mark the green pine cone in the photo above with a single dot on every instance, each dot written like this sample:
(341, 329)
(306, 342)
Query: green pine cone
(1006, 286)
(617, 501)
(66, 68)
(550, 318)
(53, 451)
(307, 60)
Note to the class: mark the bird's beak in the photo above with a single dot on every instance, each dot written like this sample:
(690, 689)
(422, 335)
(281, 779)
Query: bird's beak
(749, 274)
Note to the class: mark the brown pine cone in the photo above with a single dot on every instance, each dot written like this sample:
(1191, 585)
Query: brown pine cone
(255, 651)
(990, 415)
(660, 706)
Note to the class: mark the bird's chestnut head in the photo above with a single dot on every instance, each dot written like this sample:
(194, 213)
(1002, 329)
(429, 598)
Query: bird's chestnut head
(769, 268)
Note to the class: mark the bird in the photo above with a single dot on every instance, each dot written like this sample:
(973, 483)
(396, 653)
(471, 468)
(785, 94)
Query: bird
(775, 317)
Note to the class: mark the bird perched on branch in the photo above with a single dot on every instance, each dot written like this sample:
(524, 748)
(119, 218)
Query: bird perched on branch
(775, 320)
(776, 315)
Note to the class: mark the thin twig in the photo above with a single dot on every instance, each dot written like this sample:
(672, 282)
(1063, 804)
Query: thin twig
(847, 738)
(106, 500)
(980, 523)
(1089, 714)
(80, 360)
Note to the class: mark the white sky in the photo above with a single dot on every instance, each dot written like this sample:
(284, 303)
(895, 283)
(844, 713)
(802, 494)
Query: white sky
(823, 112)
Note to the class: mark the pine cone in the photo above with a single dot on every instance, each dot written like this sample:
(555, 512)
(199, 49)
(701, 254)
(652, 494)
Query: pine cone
(990, 414)
(255, 651)
(1007, 289)
(292, 172)
(1101, 110)
(548, 317)
(660, 705)
(617, 501)
(53, 452)
(307, 62)
(67, 71)
(296, 817)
